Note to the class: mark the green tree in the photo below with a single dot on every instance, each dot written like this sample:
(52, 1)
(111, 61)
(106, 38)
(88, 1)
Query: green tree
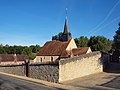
(2, 49)
(35, 48)
(29, 51)
(81, 42)
(100, 43)
(77, 42)
(116, 41)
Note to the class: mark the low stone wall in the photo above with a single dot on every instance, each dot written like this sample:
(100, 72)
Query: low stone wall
(48, 72)
(44, 71)
(13, 69)
(80, 66)
(67, 69)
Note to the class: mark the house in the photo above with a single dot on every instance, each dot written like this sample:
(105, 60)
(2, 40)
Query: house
(61, 46)
(12, 59)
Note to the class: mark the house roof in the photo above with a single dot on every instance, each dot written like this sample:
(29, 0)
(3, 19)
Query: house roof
(53, 48)
(6, 57)
(21, 57)
(12, 57)
(79, 51)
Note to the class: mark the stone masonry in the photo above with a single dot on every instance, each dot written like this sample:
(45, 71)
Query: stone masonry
(80, 66)
(13, 69)
(66, 69)
(48, 72)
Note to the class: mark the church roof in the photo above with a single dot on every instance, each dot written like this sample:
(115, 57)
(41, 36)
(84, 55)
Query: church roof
(58, 48)
(79, 51)
(54, 48)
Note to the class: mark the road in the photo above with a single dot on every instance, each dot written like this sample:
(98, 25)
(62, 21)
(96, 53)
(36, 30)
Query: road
(11, 83)
(97, 81)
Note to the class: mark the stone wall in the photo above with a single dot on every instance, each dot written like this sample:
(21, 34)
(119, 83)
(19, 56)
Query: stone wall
(13, 69)
(67, 69)
(48, 72)
(44, 71)
(80, 66)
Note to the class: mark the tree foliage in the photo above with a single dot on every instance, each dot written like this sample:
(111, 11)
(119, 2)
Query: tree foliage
(27, 50)
(100, 43)
(116, 41)
(97, 43)
(82, 41)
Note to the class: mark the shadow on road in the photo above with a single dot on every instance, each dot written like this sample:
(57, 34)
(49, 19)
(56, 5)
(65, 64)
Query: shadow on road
(112, 68)
(114, 83)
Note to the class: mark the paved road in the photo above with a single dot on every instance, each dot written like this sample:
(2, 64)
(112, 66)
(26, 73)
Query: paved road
(97, 81)
(10, 83)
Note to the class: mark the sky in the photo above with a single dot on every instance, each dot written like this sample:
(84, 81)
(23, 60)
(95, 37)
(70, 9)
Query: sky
(31, 22)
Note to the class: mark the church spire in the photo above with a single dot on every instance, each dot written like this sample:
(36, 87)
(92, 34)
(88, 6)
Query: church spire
(65, 35)
(66, 27)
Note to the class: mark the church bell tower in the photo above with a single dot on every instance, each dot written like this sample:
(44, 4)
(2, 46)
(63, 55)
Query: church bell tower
(66, 33)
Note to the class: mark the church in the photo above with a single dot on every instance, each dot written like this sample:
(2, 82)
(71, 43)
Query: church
(62, 46)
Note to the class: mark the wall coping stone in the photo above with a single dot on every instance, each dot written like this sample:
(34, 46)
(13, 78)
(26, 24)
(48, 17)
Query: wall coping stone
(68, 60)
(44, 63)
(11, 65)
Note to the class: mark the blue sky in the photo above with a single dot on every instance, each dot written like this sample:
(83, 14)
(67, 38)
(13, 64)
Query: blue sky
(30, 22)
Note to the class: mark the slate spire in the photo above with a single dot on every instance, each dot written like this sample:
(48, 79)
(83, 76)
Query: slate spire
(65, 35)
(66, 27)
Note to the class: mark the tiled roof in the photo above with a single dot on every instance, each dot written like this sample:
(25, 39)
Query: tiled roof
(64, 54)
(79, 51)
(12, 57)
(6, 57)
(53, 48)
(21, 57)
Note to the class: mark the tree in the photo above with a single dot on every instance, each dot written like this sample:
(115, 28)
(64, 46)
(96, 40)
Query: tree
(77, 42)
(35, 48)
(29, 51)
(81, 42)
(100, 43)
(57, 37)
(2, 49)
(116, 41)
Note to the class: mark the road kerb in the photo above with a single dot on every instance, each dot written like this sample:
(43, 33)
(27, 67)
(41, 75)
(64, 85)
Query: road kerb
(50, 84)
